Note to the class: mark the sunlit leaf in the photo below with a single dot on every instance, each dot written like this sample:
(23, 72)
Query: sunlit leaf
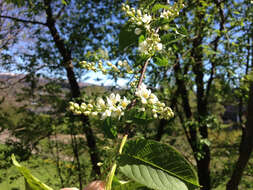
(31, 182)
(157, 165)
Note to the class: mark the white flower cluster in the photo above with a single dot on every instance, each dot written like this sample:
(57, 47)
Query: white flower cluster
(152, 42)
(124, 64)
(92, 66)
(150, 101)
(113, 67)
(172, 11)
(113, 106)
(167, 14)
(137, 17)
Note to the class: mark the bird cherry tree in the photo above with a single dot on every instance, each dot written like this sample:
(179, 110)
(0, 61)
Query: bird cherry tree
(146, 163)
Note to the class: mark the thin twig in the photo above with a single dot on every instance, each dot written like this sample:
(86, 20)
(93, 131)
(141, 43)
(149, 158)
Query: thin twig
(23, 20)
(143, 70)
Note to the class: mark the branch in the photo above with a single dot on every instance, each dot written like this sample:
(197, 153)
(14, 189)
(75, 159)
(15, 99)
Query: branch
(23, 20)
(60, 12)
(180, 115)
(143, 70)
(215, 44)
(133, 102)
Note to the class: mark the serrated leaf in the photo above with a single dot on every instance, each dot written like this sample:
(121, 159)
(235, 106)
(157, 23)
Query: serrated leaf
(157, 165)
(31, 182)
(152, 178)
(128, 185)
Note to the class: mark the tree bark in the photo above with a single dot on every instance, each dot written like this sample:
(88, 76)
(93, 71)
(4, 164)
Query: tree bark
(203, 163)
(74, 86)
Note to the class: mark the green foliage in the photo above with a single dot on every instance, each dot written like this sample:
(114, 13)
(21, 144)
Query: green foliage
(159, 6)
(126, 185)
(127, 37)
(10, 148)
(110, 129)
(32, 183)
(156, 165)
(161, 60)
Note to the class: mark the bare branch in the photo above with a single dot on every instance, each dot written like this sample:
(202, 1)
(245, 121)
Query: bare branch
(23, 20)
(215, 43)
(60, 12)
(143, 70)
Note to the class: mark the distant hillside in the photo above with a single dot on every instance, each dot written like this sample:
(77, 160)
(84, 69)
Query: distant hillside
(11, 78)
(11, 86)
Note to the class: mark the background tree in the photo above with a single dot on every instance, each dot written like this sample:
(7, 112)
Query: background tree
(246, 145)
(62, 32)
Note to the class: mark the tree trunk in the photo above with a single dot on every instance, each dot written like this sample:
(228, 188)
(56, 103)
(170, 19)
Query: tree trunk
(203, 167)
(203, 163)
(74, 86)
(91, 141)
(246, 146)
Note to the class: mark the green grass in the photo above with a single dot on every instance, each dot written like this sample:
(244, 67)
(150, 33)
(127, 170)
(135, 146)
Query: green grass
(43, 166)
(225, 152)
(42, 169)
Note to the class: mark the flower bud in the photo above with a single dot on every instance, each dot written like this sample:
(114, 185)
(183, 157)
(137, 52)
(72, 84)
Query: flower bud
(139, 12)
(137, 31)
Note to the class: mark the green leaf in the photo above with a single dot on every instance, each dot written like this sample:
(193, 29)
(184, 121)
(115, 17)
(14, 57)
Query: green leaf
(158, 6)
(171, 38)
(127, 37)
(31, 182)
(109, 129)
(126, 185)
(161, 61)
(64, 2)
(141, 38)
(156, 165)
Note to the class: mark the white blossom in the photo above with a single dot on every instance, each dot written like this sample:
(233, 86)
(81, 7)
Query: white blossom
(106, 114)
(143, 92)
(137, 31)
(146, 19)
(159, 46)
(115, 106)
(125, 102)
(100, 102)
(143, 47)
